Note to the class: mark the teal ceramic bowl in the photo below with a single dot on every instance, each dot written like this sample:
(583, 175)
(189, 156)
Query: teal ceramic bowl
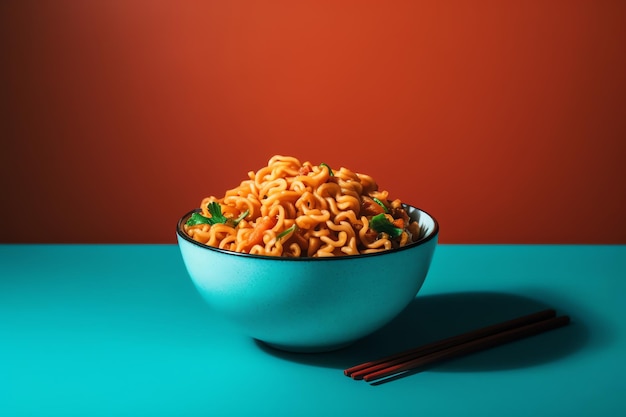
(310, 304)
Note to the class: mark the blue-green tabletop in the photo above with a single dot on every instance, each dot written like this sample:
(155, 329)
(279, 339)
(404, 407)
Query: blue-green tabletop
(119, 330)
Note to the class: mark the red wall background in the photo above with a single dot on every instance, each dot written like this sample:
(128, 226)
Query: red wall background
(504, 119)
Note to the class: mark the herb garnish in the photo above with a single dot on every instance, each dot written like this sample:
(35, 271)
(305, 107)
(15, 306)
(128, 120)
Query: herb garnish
(286, 232)
(216, 217)
(380, 203)
(381, 224)
(330, 171)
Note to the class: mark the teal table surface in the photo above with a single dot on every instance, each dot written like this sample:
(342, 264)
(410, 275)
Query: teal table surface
(119, 330)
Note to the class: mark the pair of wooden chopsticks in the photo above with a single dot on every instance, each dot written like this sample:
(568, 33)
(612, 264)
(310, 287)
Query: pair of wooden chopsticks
(459, 345)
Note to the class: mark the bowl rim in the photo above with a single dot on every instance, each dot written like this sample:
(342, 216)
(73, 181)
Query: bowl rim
(425, 239)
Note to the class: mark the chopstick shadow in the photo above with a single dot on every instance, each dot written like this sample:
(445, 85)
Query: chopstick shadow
(434, 317)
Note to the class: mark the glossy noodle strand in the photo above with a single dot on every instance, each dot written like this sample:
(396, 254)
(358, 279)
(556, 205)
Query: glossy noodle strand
(294, 209)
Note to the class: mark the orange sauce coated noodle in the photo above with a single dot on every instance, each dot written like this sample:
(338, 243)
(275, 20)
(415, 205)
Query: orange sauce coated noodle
(303, 210)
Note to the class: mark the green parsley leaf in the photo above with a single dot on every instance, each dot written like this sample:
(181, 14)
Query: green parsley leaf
(216, 217)
(216, 213)
(381, 224)
(197, 218)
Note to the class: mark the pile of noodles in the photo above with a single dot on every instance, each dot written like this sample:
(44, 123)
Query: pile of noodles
(294, 209)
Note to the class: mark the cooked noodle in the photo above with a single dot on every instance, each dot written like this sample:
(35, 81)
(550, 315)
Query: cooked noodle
(294, 209)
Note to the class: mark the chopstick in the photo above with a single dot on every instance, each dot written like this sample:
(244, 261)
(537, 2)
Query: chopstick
(466, 343)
